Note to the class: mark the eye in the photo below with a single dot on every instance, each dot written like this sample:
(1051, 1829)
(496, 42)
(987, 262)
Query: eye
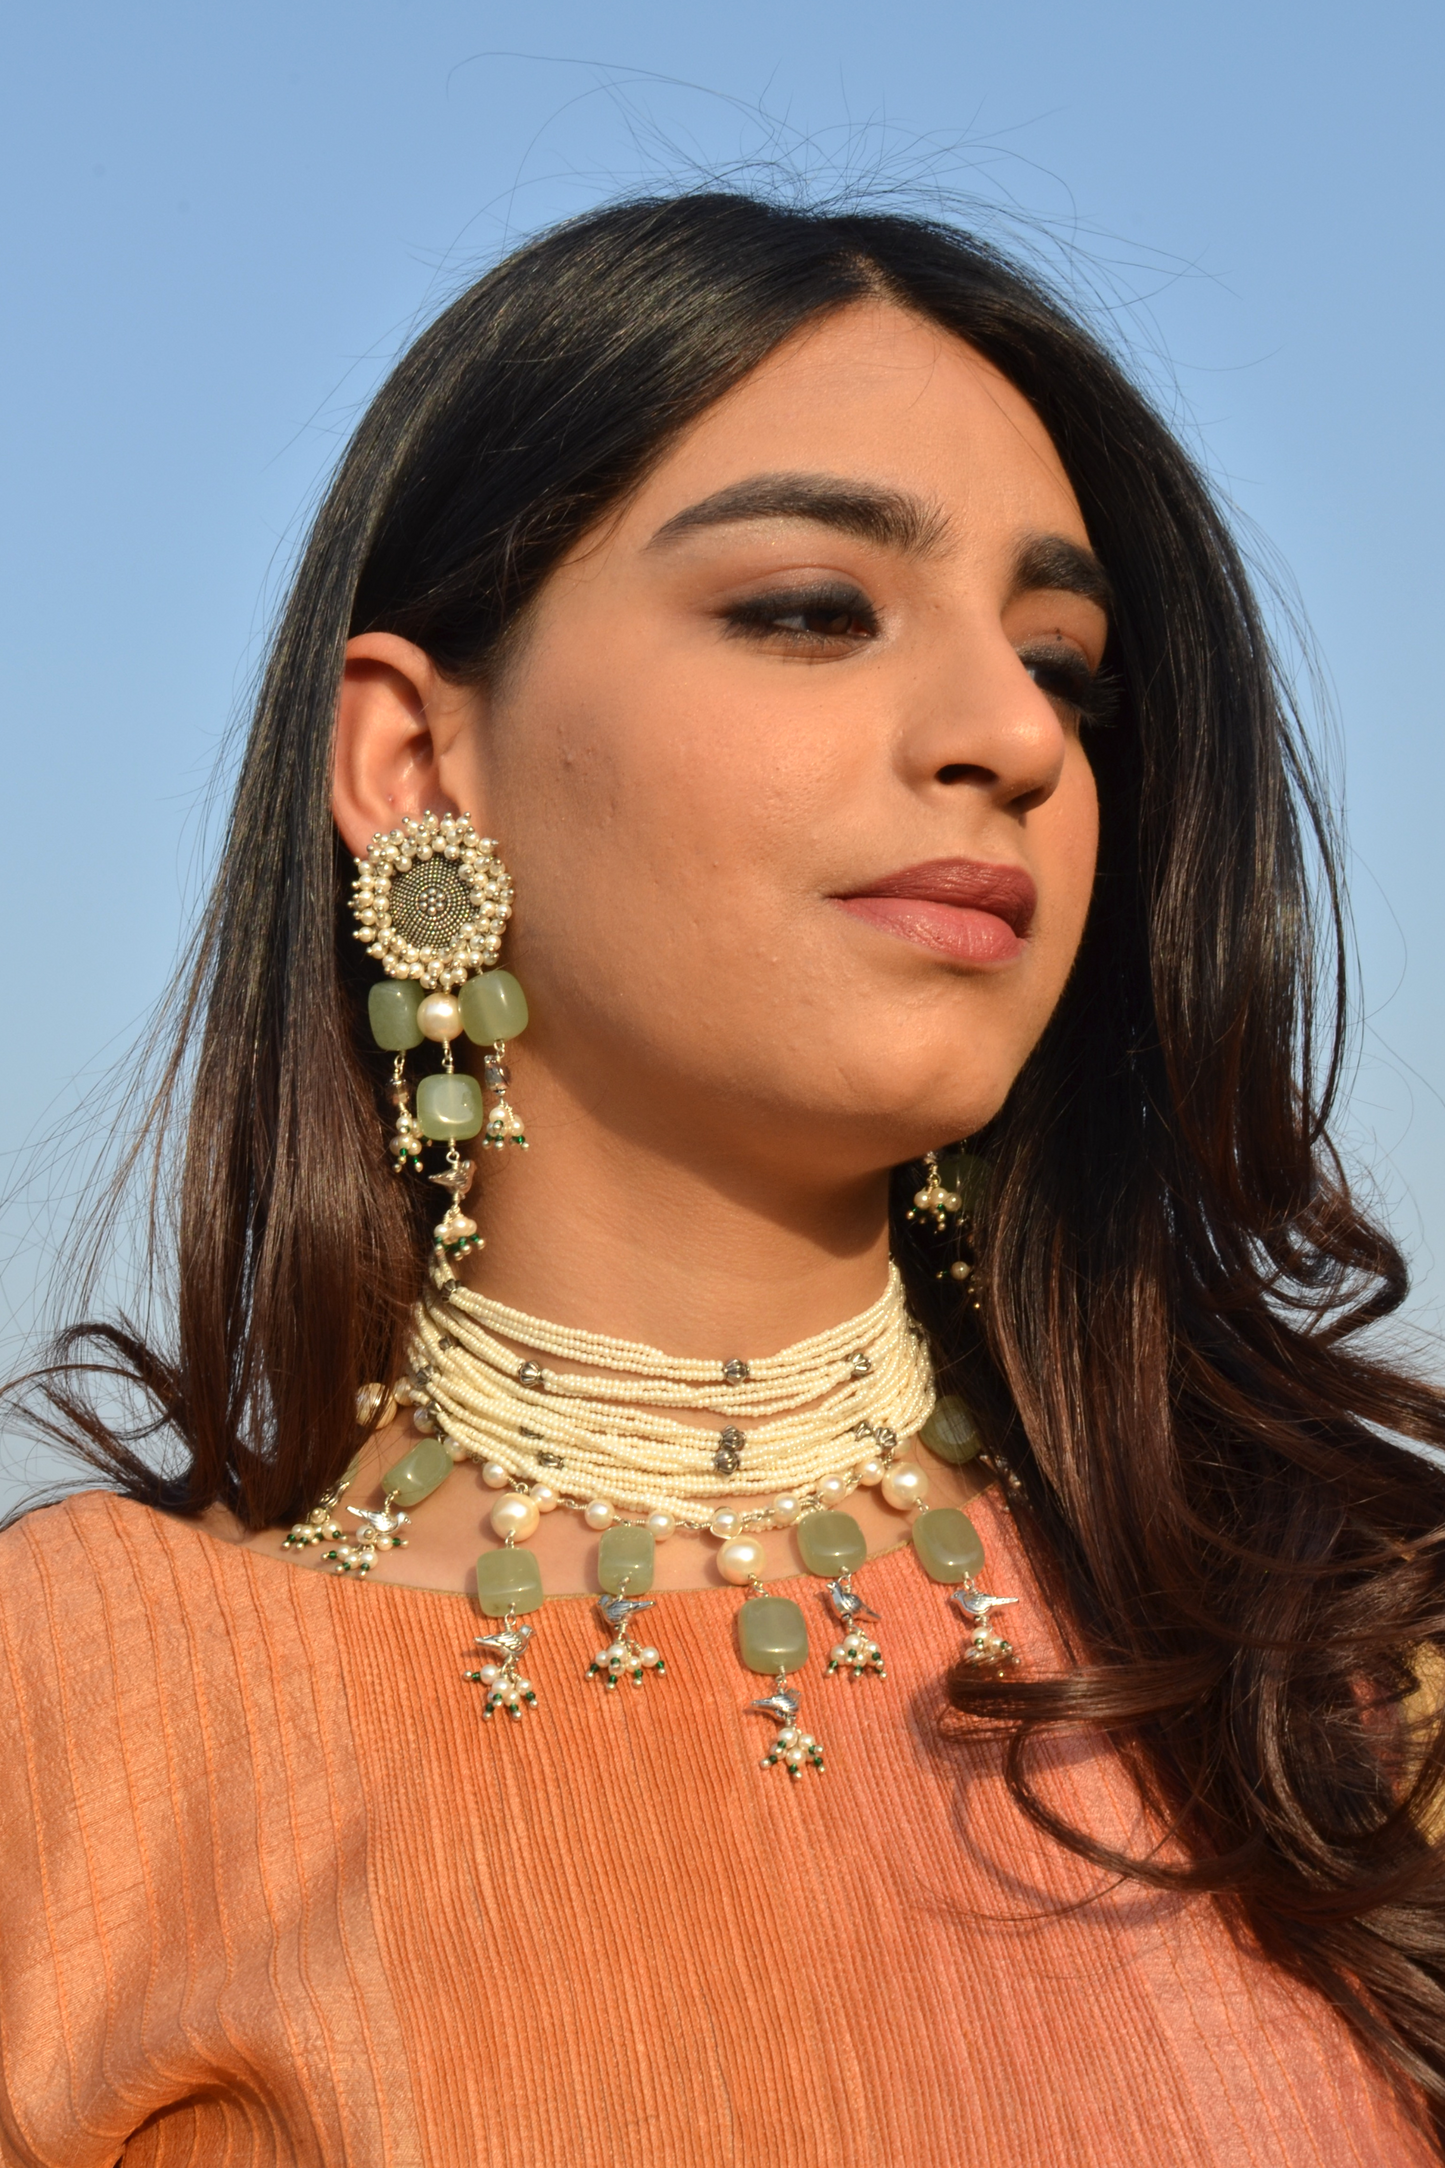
(826, 619)
(1065, 676)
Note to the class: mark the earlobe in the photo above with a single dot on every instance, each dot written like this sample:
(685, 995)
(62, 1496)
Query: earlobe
(394, 727)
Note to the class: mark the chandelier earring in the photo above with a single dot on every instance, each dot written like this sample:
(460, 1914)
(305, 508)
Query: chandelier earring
(431, 902)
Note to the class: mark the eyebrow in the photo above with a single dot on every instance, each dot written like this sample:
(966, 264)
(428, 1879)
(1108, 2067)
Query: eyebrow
(1053, 561)
(892, 517)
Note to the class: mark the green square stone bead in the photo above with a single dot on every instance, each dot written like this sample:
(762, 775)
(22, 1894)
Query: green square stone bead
(508, 1580)
(449, 1106)
(625, 1556)
(418, 1473)
(772, 1635)
(831, 1543)
(947, 1544)
(493, 1007)
(391, 1008)
(951, 1431)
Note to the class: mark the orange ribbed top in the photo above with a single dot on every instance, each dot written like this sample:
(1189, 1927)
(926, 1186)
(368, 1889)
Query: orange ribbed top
(273, 1893)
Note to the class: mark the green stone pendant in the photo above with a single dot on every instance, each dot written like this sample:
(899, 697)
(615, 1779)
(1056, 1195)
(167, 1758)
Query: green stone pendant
(951, 1431)
(418, 1473)
(493, 1007)
(625, 1560)
(508, 1580)
(391, 1008)
(449, 1105)
(831, 1544)
(772, 1635)
(947, 1545)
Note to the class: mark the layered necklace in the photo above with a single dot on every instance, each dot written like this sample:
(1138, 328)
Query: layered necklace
(775, 1441)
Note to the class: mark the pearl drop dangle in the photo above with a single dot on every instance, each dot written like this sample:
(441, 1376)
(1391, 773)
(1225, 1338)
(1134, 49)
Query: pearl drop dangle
(625, 1559)
(506, 1688)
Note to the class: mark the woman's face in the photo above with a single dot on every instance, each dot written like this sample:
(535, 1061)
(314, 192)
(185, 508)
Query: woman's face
(787, 766)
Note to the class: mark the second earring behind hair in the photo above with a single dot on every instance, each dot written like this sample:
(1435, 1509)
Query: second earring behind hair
(431, 902)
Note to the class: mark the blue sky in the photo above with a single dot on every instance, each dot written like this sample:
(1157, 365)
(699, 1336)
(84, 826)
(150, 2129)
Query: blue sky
(223, 222)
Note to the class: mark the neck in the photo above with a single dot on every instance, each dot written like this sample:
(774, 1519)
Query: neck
(679, 1240)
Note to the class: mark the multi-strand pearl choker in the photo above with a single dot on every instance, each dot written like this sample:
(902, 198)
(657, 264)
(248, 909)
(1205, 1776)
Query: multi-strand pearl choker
(799, 1431)
(795, 1429)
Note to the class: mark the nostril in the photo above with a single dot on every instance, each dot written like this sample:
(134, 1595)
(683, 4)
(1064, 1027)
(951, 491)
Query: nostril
(961, 771)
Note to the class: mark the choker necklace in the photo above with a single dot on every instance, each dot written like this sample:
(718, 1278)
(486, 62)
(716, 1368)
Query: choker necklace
(800, 1431)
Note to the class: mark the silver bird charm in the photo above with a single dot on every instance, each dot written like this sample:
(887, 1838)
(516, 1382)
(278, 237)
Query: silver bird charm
(985, 1646)
(624, 1657)
(847, 1603)
(977, 1604)
(617, 1610)
(857, 1653)
(506, 1689)
(509, 1644)
(385, 1522)
(796, 1750)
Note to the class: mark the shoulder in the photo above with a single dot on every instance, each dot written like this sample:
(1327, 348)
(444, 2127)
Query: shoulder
(98, 1589)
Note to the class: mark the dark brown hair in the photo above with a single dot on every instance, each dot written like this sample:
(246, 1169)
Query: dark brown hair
(1170, 1365)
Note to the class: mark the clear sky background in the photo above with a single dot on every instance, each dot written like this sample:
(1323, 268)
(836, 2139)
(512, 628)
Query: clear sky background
(222, 223)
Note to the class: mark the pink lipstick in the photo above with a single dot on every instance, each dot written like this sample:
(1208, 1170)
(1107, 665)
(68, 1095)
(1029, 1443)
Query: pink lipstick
(973, 911)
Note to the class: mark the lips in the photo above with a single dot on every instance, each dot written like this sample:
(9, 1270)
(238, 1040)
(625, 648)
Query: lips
(973, 911)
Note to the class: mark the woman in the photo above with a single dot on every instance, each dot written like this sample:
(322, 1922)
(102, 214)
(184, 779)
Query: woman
(787, 647)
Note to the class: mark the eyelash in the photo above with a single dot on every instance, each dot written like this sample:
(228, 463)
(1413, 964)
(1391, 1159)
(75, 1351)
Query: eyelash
(761, 617)
(1059, 671)
(1063, 674)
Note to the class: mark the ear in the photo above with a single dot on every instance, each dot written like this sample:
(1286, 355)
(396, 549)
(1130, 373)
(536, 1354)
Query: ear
(400, 730)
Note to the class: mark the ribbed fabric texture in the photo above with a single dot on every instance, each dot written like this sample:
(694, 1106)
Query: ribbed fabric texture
(275, 1894)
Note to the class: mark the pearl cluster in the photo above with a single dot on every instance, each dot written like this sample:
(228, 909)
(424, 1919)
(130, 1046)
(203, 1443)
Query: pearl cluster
(472, 934)
(619, 1451)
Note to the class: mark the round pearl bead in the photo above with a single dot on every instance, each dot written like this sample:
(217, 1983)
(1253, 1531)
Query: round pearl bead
(905, 1485)
(423, 1420)
(439, 1016)
(786, 1509)
(515, 1516)
(544, 1498)
(723, 1524)
(741, 1559)
(869, 1472)
(832, 1490)
(598, 1514)
(524, 1686)
(494, 1475)
(617, 1654)
(837, 1655)
(489, 1672)
(788, 1736)
(661, 1525)
(648, 1658)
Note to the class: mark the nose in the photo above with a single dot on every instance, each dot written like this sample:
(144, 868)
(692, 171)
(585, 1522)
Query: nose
(975, 719)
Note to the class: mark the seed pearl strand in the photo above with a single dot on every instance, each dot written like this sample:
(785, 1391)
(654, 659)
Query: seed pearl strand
(521, 1421)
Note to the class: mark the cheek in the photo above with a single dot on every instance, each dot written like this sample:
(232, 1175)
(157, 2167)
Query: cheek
(1066, 850)
(645, 821)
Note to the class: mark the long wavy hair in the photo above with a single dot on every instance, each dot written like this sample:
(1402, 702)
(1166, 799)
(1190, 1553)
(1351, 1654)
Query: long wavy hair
(1171, 1364)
